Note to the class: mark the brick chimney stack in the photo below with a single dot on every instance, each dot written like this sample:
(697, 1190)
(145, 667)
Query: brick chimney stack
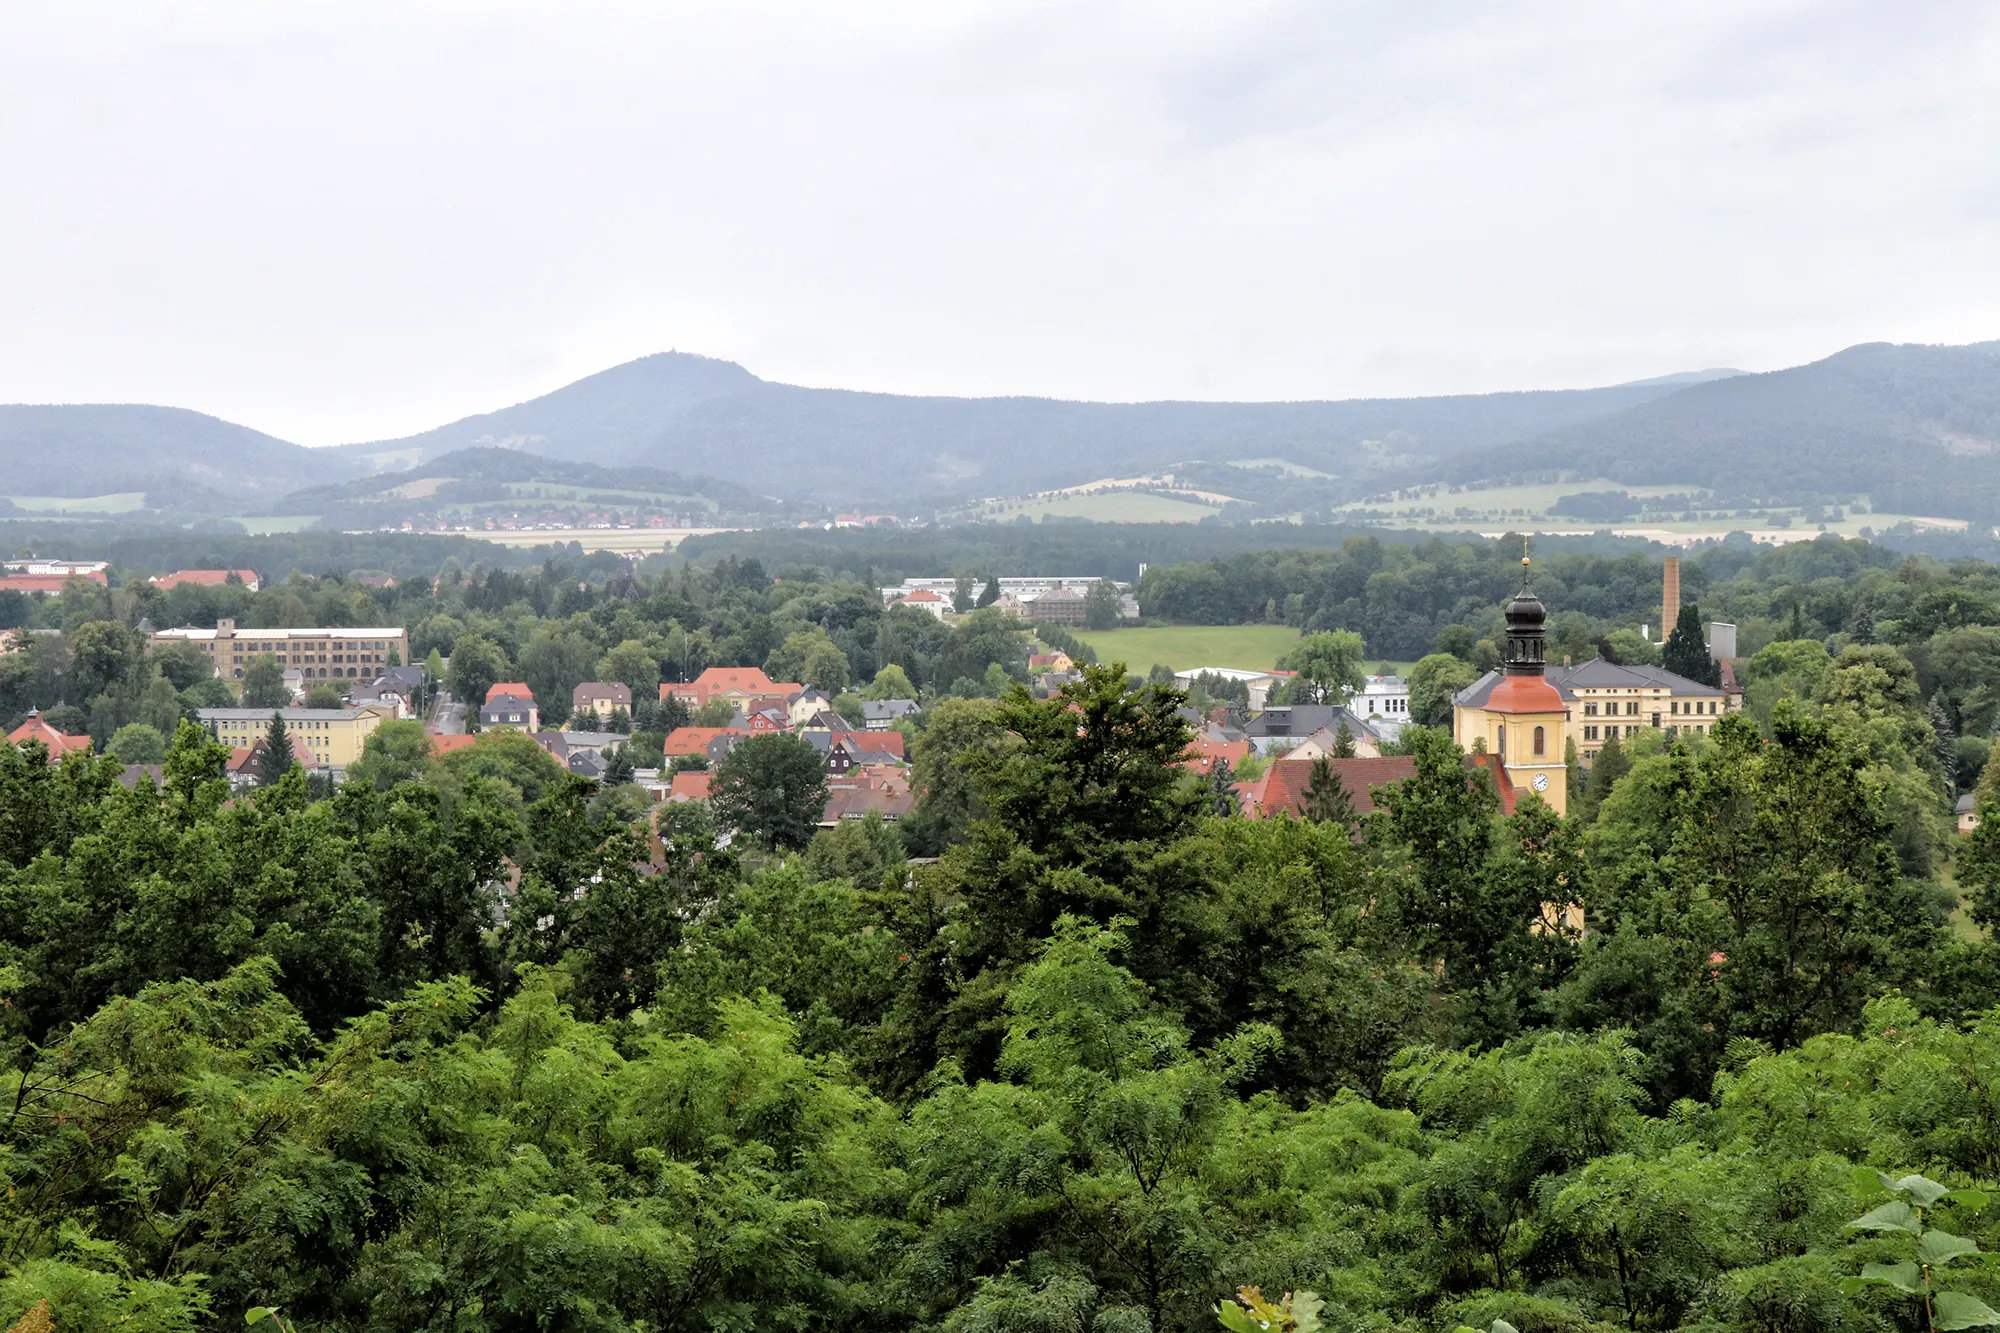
(1670, 599)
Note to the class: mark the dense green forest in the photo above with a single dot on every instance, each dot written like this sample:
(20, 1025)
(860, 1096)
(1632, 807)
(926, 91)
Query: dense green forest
(469, 1044)
(1898, 422)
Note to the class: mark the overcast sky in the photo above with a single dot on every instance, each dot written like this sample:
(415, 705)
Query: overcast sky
(354, 220)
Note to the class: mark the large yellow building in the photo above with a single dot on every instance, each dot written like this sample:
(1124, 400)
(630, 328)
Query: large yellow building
(318, 654)
(334, 735)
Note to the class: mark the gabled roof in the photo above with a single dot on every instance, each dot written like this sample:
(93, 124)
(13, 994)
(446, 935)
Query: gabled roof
(857, 742)
(613, 691)
(244, 760)
(442, 745)
(1302, 720)
(59, 743)
(206, 578)
(920, 595)
(514, 688)
(695, 740)
(1282, 789)
(1202, 755)
(690, 784)
(856, 802)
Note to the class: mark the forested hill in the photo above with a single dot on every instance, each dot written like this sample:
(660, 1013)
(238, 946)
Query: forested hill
(85, 449)
(838, 446)
(1917, 428)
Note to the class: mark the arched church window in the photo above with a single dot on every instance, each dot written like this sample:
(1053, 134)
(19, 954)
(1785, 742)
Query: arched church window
(1541, 742)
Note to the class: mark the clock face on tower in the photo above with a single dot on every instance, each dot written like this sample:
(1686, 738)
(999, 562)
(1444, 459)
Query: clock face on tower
(1540, 782)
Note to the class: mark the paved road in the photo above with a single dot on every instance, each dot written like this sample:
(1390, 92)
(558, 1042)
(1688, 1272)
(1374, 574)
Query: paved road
(449, 716)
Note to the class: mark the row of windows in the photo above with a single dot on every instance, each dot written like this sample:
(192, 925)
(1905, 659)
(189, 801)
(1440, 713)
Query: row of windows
(1389, 705)
(243, 646)
(1707, 706)
(259, 728)
(1592, 733)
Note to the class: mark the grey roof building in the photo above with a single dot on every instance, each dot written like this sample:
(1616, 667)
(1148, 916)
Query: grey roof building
(1285, 725)
(1608, 700)
(882, 714)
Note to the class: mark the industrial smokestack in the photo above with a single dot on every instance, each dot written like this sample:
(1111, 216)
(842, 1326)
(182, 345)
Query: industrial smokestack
(1670, 599)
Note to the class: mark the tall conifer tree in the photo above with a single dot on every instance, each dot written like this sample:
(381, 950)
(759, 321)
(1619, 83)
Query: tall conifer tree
(276, 758)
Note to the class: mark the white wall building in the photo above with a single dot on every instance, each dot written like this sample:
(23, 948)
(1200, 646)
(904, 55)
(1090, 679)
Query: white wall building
(1017, 595)
(1385, 703)
(1259, 683)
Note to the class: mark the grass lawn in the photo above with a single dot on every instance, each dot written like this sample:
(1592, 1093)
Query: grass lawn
(1184, 647)
(263, 525)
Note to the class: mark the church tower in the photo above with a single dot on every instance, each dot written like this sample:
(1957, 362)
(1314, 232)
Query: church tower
(1524, 720)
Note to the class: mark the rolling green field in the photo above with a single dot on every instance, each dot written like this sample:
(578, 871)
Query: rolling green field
(1183, 647)
(263, 525)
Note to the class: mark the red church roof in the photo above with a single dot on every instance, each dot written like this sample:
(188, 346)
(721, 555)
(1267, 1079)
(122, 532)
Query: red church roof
(1525, 694)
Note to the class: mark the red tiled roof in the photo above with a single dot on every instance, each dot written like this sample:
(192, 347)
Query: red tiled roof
(206, 578)
(856, 802)
(513, 687)
(444, 745)
(861, 742)
(921, 595)
(59, 743)
(689, 784)
(695, 740)
(749, 681)
(1201, 755)
(40, 582)
(1525, 694)
(1282, 789)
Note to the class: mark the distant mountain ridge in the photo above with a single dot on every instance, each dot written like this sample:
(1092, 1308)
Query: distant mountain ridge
(696, 414)
(1916, 427)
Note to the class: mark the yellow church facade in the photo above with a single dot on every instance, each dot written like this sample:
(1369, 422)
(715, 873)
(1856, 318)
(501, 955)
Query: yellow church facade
(1522, 720)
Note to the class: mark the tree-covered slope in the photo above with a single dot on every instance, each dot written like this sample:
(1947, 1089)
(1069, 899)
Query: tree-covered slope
(1915, 427)
(83, 449)
(697, 415)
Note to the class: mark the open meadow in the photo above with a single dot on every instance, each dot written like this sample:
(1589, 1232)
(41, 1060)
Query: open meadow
(1182, 647)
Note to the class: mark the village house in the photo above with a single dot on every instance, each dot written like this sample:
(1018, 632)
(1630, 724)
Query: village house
(1322, 744)
(1385, 702)
(884, 714)
(600, 699)
(510, 706)
(742, 687)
